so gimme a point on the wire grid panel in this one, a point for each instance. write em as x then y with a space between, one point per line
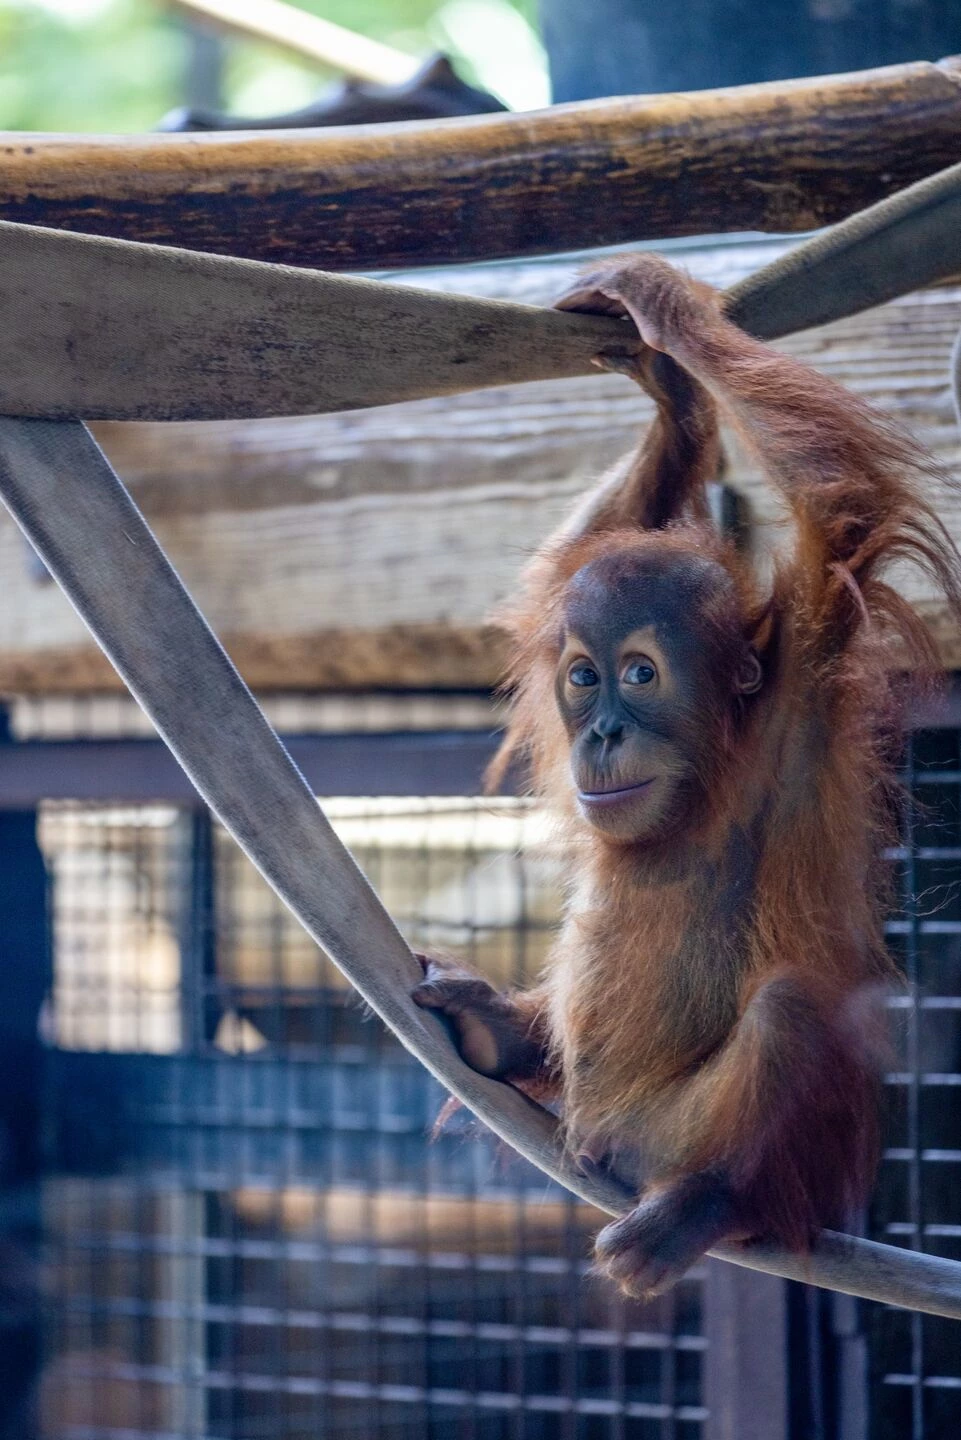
121 876
915 1360
268 1246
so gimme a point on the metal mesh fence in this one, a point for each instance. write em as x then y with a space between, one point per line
915 1361
252 1237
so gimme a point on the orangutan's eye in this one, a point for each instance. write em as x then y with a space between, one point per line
581 674
639 672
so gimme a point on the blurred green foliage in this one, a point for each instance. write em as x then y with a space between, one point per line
119 65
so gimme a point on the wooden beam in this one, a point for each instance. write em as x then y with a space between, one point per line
783 156
369 550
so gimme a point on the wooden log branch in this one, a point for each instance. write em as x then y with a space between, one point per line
784 156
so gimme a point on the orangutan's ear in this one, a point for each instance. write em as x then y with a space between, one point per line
750 676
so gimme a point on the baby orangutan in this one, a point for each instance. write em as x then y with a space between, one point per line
722 756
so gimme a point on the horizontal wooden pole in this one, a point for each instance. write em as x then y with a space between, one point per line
784 156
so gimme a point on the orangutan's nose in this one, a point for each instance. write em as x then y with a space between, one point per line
608 727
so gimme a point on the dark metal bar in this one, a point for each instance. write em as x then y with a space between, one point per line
912 968
140 772
141 1115
25 958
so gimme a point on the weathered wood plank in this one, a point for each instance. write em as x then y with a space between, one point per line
368 549
783 156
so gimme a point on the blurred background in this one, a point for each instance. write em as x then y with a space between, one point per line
119 65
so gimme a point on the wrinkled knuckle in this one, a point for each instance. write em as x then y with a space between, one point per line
481 991
453 984
451 992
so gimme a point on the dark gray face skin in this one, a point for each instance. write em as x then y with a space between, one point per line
637 691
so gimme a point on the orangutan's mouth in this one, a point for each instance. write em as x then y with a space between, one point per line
612 797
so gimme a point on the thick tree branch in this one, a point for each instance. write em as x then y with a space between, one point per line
783 156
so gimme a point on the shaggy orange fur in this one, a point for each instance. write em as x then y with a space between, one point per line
707 1010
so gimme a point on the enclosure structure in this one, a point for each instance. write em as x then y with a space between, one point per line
248 1232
